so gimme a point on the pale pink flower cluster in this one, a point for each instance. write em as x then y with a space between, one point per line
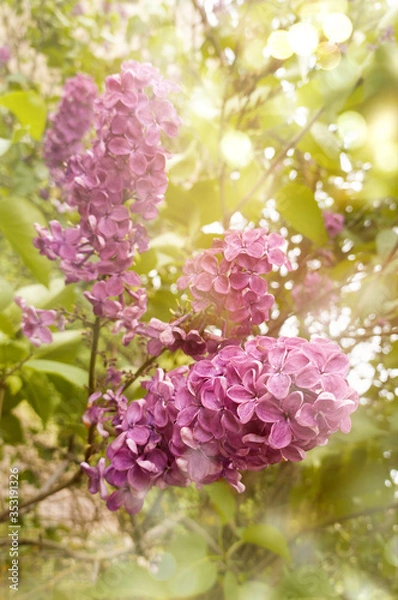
124 173
228 277
69 124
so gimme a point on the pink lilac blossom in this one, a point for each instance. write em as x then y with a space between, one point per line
69 124
139 454
178 334
36 322
5 55
334 223
228 277
124 173
242 410
313 292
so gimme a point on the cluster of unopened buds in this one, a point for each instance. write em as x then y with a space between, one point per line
245 402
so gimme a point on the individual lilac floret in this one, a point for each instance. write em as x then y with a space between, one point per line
172 336
228 277
334 223
36 322
69 124
96 476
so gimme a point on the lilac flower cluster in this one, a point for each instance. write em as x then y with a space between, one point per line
243 410
69 124
139 455
36 322
124 173
313 291
334 223
228 277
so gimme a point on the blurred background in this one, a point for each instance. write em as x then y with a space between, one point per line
289 110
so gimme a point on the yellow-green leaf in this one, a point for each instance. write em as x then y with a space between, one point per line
17 216
29 108
268 537
297 205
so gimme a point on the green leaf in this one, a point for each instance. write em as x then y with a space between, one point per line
297 205
4 146
193 579
29 108
391 360
40 394
57 295
202 201
12 352
166 567
386 241
6 325
73 374
17 216
230 586
127 580
223 500
188 547
268 537
6 293
10 429
63 348
255 590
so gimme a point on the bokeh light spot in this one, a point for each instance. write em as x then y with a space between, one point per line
303 38
328 56
236 149
337 27
352 129
278 45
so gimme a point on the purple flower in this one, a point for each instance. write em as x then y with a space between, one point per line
243 409
122 174
334 223
69 124
228 277
36 322
96 477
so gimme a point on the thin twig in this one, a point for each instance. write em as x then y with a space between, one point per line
51 545
355 515
193 526
278 158
44 494
209 33
93 355
147 363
